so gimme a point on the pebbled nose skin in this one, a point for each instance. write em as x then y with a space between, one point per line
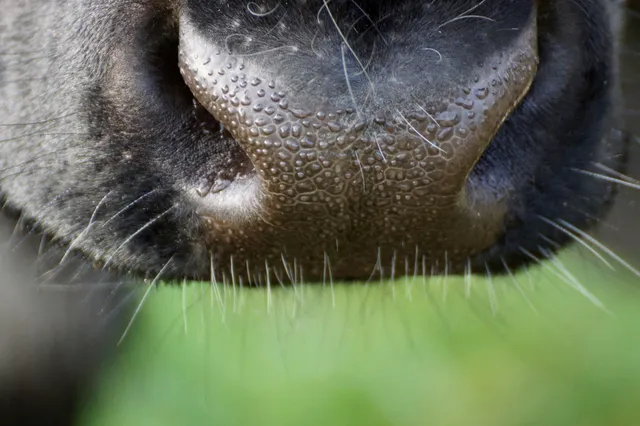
335 171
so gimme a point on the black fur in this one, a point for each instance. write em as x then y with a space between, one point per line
93 106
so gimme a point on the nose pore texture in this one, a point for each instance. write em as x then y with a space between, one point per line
355 171
301 146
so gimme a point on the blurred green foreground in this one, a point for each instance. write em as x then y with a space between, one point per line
531 350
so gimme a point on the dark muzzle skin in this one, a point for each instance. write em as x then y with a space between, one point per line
291 140
360 169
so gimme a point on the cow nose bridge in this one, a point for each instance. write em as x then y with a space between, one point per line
307 150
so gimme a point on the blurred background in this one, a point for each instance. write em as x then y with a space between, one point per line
542 348
621 230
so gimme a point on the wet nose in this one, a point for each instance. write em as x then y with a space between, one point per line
394 168
301 145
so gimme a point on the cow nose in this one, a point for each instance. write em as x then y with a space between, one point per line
323 169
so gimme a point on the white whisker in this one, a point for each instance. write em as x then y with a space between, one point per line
144 298
517 285
601 246
619 181
491 291
420 135
86 230
578 240
138 232
184 306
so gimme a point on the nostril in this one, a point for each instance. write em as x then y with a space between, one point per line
236 164
205 160
230 183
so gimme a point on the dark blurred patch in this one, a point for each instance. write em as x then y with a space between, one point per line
621 228
58 324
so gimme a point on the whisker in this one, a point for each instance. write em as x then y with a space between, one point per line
424 273
138 232
40 122
578 240
257 11
616 173
564 275
491 291
600 246
467 279
609 179
430 49
348 80
408 283
573 281
142 301
128 206
214 287
233 282
286 268
376 267
465 15
420 135
364 182
184 305
375 138
346 43
517 285
86 230
445 283
373 24
266 265
393 275
327 263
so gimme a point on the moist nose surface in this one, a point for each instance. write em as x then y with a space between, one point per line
352 184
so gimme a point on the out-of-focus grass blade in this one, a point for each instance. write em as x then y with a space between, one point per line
413 352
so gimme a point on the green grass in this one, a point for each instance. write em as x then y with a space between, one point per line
413 352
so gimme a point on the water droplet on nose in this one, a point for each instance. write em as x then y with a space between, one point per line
445 134
448 118
268 129
284 130
464 103
300 113
482 93
291 145
261 121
